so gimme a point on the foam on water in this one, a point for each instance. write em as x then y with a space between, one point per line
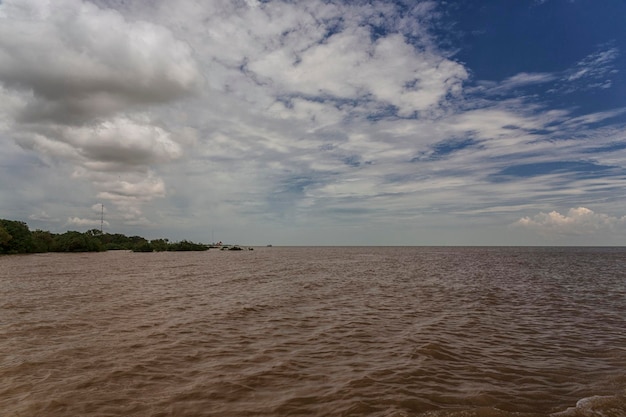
597 406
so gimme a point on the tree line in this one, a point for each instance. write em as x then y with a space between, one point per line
16 237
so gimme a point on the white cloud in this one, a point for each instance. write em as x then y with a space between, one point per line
115 144
281 113
122 141
596 65
577 221
41 216
76 221
596 70
325 52
350 66
521 80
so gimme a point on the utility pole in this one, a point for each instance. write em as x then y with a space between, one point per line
101 217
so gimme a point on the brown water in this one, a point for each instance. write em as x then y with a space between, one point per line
315 332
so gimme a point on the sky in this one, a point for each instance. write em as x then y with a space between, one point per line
317 122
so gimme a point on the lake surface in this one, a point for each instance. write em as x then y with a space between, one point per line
322 331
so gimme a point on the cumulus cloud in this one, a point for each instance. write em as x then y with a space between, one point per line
350 66
79 62
79 83
285 111
577 221
356 56
115 144
122 141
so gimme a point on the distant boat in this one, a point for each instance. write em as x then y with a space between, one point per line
269 246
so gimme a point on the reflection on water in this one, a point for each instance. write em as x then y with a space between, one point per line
315 332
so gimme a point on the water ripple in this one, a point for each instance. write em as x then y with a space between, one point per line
433 332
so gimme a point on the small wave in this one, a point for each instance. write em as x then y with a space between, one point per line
435 351
597 406
408 333
476 412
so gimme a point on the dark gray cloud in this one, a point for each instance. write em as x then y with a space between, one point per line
76 62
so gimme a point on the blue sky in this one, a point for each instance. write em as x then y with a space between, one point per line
317 122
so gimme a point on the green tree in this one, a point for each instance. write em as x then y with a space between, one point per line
73 241
159 245
21 240
114 241
186 245
15 237
143 246
42 241
5 237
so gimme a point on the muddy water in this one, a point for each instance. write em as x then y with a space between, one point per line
315 332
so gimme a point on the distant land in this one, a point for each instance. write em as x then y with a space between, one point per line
16 237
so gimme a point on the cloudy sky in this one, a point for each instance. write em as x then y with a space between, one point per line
317 122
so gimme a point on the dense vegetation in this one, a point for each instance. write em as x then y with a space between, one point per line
16 237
